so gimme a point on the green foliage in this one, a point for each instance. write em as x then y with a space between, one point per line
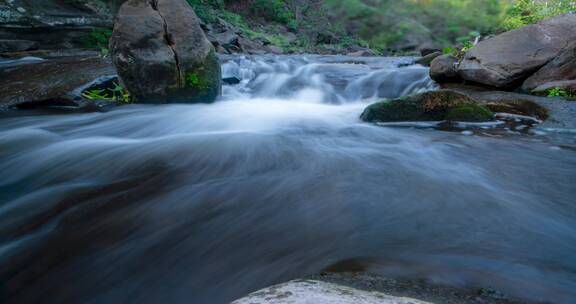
379 24
465 44
389 24
525 12
194 80
115 94
98 39
273 10
469 112
559 92
207 9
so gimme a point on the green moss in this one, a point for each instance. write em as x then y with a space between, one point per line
559 92
429 106
196 81
403 109
114 93
201 83
469 112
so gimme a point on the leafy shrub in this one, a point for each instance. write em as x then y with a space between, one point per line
525 12
117 93
273 10
205 9
559 92
98 39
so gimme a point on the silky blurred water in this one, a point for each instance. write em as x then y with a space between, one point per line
277 180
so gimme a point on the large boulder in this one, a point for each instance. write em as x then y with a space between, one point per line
162 55
558 71
509 58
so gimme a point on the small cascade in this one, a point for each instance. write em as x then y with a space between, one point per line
323 79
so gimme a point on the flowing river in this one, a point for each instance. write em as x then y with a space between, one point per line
278 180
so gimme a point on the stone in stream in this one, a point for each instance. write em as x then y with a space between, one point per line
429 106
508 59
443 69
319 292
162 55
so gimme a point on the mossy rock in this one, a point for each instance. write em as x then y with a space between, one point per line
470 112
429 106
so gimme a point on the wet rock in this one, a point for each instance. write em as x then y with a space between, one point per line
560 72
162 54
231 80
17 45
509 58
319 292
51 83
427 59
430 106
444 69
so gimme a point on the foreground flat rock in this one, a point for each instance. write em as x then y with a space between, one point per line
511 57
318 292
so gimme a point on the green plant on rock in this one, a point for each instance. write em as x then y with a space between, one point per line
98 39
115 94
194 80
559 92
